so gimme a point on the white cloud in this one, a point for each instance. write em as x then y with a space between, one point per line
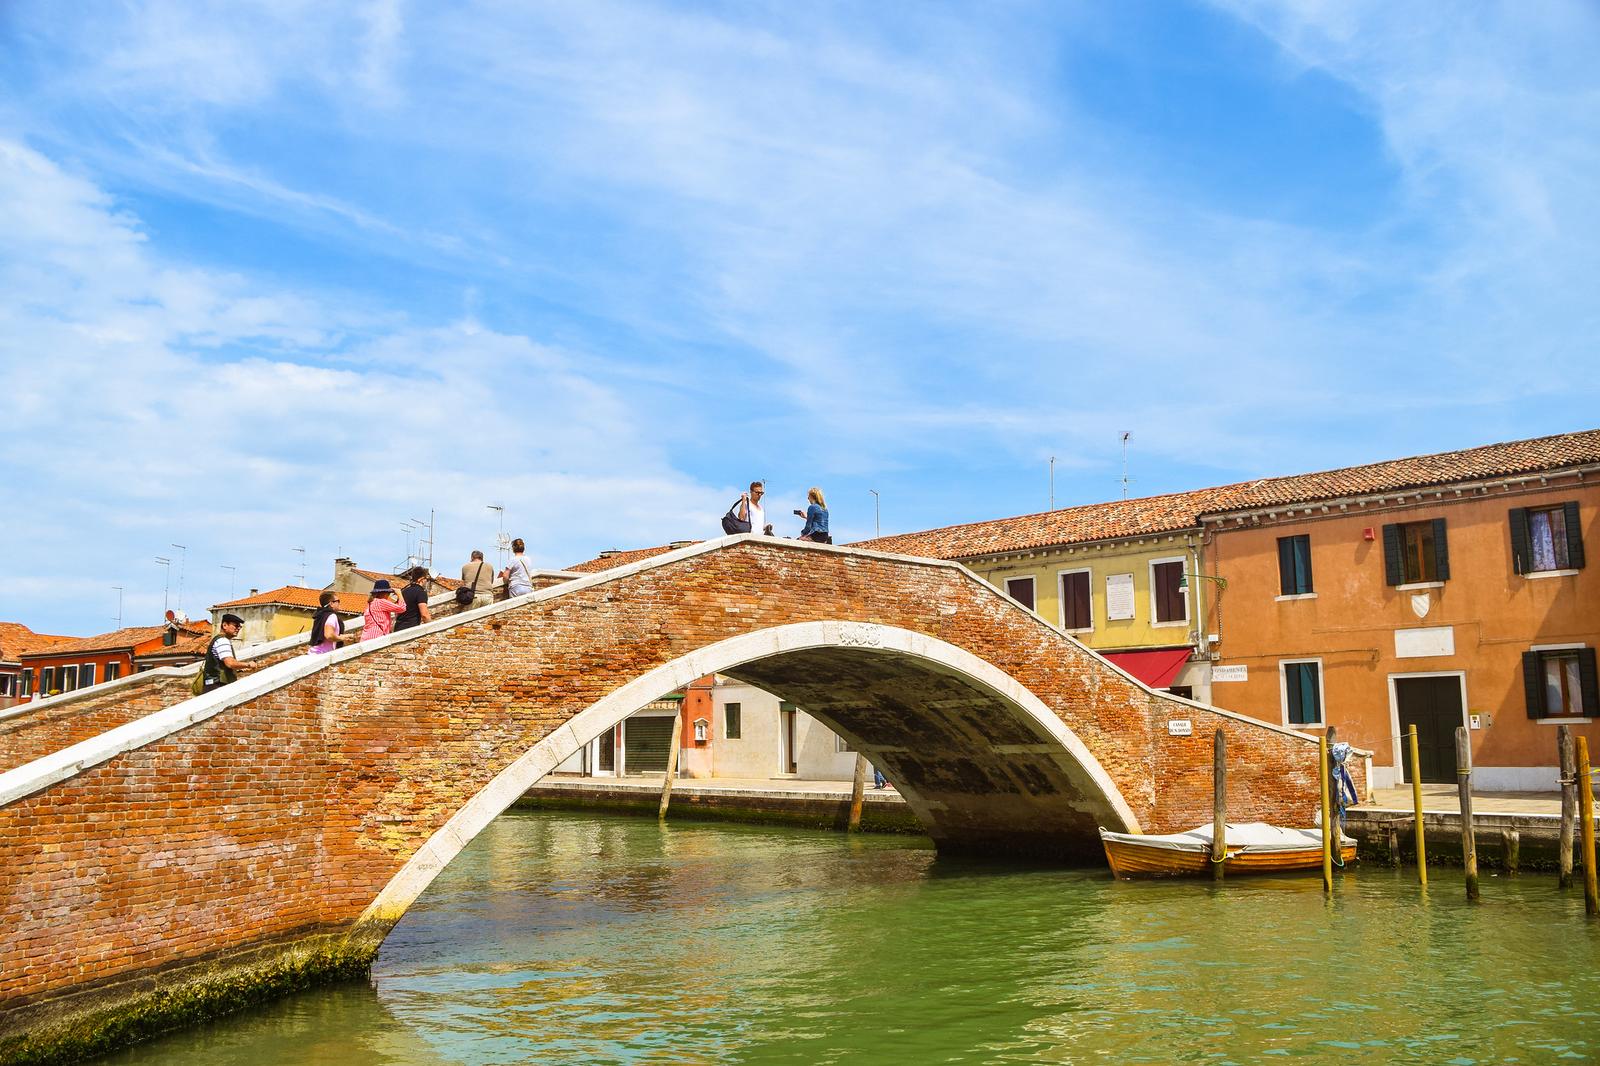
151 405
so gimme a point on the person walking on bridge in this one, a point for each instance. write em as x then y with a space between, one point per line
222 665
326 629
381 611
415 598
476 576
519 575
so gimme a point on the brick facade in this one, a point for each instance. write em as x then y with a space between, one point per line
287 815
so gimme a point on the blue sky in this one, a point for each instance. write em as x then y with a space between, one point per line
289 274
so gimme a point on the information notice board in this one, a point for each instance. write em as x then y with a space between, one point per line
1119 596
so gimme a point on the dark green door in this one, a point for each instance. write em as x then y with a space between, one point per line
646 741
1433 705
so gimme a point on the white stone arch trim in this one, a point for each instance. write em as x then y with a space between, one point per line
547 754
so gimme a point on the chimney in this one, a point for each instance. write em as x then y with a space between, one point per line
344 578
254 591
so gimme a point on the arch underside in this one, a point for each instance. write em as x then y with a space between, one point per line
976 768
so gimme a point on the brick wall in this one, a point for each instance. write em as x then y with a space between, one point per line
291 812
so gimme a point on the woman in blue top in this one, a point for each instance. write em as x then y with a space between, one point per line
816 517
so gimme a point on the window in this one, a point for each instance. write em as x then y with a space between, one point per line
1302 692
1021 590
1169 602
69 678
86 675
170 637
47 680
113 671
27 682
1077 610
1561 683
1546 538
6 681
730 721
1414 552
1294 565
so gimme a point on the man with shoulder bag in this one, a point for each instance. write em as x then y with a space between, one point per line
221 665
477 583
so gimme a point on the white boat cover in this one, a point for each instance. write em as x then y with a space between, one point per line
1246 836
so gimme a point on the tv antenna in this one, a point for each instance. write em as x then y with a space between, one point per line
183 561
301 578
502 543
1052 483
119 605
166 582
1125 478
231 575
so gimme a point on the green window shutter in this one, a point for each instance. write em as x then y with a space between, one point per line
1302 557
1588 684
1286 566
1394 563
1533 682
1519 540
1441 551
1574 536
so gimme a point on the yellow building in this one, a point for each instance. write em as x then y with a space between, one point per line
284 612
1119 576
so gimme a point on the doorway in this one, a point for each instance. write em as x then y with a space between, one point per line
605 753
1433 705
788 756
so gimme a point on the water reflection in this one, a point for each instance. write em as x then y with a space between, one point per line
582 939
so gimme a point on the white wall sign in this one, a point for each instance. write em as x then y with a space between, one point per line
1119 596
1230 673
1181 727
1424 643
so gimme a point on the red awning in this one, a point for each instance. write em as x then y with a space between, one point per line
1154 668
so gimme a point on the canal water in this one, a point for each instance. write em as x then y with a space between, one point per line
570 938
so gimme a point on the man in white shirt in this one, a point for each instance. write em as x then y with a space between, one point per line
222 664
750 508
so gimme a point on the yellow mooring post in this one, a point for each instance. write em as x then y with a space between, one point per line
1416 803
672 764
1591 896
1219 804
858 790
1327 816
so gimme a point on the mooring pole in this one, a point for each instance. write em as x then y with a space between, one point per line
1469 849
1569 802
672 764
1219 804
858 790
1416 803
1327 816
1332 734
1591 897
1511 849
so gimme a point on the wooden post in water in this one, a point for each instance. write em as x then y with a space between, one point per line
858 790
1219 804
1416 803
1469 850
1510 848
1569 801
1591 897
672 764
1333 797
1327 816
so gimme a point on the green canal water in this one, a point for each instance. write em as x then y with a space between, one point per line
569 938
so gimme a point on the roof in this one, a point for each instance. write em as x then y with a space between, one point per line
1068 525
1471 464
120 638
295 596
17 639
449 584
615 557
1182 510
189 644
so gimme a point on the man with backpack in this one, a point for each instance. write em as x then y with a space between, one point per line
222 665
477 583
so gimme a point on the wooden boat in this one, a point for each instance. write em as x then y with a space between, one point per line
1252 847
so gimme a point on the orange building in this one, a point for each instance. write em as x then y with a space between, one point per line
1441 591
73 664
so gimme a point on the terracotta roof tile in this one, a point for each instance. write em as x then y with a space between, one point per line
615 558
188 644
1182 510
17 639
295 596
119 638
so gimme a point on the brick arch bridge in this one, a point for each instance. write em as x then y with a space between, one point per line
276 830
